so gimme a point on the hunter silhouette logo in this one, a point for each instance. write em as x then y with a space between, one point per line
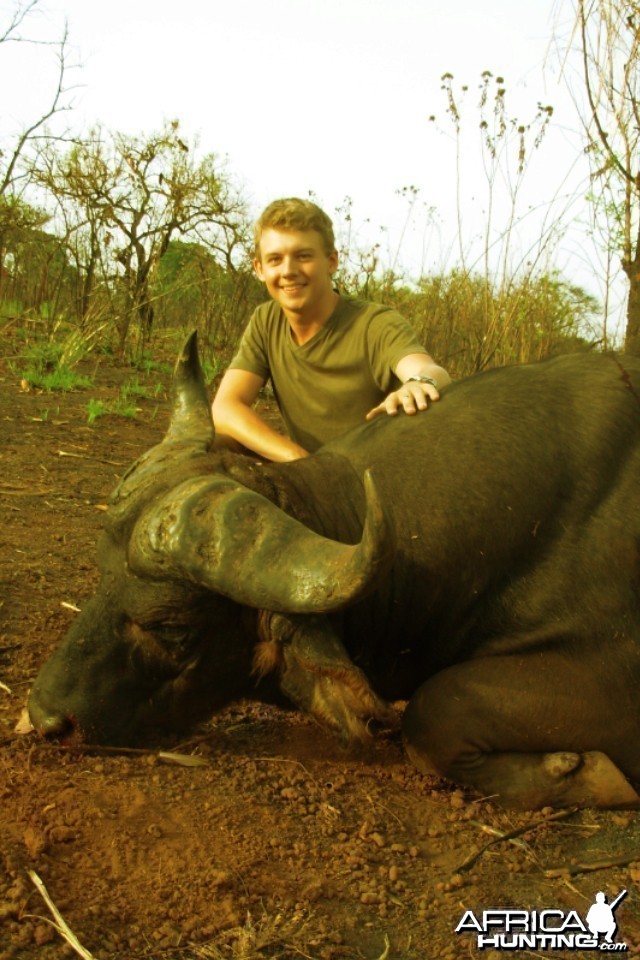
600 917
552 929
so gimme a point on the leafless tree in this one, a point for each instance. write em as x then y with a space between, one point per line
16 215
58 101
125 198
607 34
508 147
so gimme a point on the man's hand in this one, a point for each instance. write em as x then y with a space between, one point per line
410 397
414 394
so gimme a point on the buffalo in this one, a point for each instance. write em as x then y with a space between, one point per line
480 561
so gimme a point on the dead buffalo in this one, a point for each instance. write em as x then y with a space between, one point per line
487 570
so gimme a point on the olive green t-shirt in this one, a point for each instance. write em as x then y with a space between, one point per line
326 386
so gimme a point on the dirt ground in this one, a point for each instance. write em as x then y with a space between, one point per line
278 845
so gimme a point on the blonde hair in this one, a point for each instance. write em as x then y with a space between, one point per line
291 213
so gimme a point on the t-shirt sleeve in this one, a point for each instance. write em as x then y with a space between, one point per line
390 338
252 353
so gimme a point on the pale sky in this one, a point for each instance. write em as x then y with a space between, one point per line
328 96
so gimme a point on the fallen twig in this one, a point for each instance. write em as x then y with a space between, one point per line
183 759
84 456
166 756
572 868
11 490
89 749
387 946
60 924
512 834
497 833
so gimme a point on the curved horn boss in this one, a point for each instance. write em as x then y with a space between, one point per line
225 537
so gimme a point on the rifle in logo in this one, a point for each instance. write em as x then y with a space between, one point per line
600 919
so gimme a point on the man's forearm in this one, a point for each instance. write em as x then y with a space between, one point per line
243 425
434 371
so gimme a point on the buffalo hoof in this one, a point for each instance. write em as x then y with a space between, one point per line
592 781
318 675
564 779
529 781
340 700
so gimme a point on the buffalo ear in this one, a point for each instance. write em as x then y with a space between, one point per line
220 535
191 419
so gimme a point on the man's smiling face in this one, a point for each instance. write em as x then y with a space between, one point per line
297 270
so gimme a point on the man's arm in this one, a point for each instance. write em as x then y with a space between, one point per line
413 395
236 423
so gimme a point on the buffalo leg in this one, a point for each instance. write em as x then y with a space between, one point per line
318 675
525 731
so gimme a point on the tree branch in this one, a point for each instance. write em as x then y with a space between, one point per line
602 134
54 107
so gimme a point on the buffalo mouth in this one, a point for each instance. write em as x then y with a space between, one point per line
131 719
51 726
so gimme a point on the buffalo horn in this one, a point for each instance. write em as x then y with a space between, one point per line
222 536
191 417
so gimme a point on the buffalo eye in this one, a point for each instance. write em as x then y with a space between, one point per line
162 639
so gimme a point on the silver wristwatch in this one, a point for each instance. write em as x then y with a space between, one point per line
421 379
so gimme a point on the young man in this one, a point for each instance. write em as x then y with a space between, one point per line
333 362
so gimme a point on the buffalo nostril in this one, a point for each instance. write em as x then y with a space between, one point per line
54 725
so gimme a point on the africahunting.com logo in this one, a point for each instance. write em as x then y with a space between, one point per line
546 929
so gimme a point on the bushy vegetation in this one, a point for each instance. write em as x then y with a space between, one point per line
467 321
41 367
116 243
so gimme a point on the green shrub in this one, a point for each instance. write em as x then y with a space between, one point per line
146 364
122 406
96 408
140 391
211 369
59 379
44 371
